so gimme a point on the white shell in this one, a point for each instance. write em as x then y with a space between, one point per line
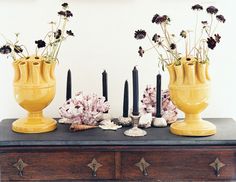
159 122
109 125
145 120
65 121
125 121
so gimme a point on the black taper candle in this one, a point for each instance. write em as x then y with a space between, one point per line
104 85
135 92
158 96
126 100
68 86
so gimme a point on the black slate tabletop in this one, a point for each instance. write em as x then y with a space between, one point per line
226 135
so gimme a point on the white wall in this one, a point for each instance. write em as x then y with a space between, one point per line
104 40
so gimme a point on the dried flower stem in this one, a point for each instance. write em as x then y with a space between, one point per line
211 24
195 32
55 54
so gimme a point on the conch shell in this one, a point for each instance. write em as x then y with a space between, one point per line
80 127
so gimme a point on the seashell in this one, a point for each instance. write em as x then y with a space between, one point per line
159 122
109 125
81 127
124 121
145 120
65 121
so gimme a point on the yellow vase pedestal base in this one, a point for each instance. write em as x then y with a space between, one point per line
195 128
34 125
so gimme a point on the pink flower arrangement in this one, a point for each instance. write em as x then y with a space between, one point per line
84 109
169 111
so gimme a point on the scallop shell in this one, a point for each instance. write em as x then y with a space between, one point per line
109 125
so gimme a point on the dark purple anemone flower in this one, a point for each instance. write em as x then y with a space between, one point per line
18 49
40 43
68 14
65 5
155 38
140 51
162 19
70 33
220 18
217 38
183 34
6 49
211 43
140 34
197 7
154 18
61 13
172 46
57 34
212 10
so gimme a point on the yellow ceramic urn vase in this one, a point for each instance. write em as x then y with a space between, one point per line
34 89
189 90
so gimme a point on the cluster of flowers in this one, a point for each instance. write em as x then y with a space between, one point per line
84 109
51 43
165 44
169 111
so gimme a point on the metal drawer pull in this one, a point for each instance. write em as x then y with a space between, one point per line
217 165
20 165
143 165
94 165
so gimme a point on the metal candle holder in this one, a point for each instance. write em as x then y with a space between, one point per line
135 131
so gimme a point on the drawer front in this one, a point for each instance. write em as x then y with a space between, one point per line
57 165
179 165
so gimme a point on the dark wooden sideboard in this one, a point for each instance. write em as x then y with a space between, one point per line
107 155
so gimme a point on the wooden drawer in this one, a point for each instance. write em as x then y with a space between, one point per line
64 165
190 164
